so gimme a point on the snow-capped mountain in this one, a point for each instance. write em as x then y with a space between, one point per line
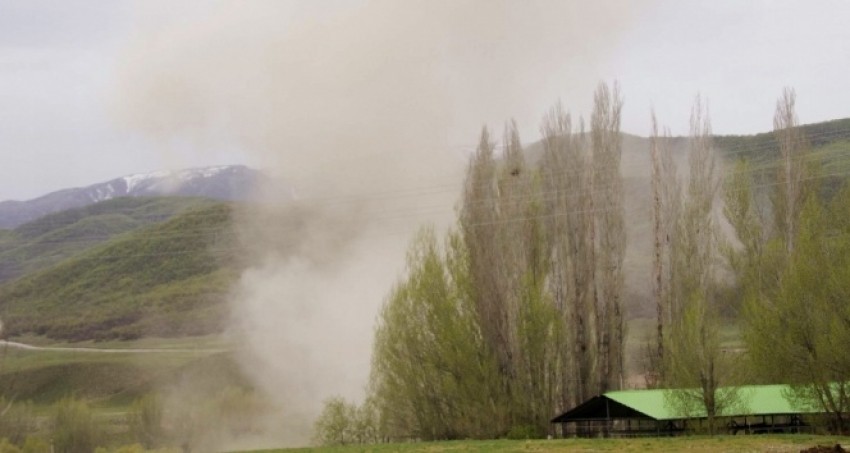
230 182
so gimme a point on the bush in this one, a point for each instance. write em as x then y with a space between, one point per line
335 425
203 422
7 447
74 428
35 445
17 421
522 432
343 423
145 421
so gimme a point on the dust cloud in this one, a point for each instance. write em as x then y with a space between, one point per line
368 111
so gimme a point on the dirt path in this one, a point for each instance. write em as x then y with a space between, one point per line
29 347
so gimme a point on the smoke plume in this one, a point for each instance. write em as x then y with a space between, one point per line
365 109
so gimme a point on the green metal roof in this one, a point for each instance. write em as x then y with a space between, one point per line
754 400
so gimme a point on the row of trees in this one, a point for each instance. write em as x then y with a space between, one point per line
786 258
793 268
72 428
517 313
687 286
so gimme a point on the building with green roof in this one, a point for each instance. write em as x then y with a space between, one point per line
760 408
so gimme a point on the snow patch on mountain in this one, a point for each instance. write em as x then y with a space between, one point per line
133 181
166 181
222 182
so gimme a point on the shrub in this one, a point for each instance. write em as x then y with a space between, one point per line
145 421
74 428
17 421
204 421
35 445
521 432
7 447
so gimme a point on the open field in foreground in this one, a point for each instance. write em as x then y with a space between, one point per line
111 375
695 444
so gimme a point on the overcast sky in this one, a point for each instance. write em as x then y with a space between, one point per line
63 66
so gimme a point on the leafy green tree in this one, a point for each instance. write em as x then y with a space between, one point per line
479 218
740 210
432 374
342 423
74 427
810 310
17 420
519 314
365 427
699 373
335 425
792 269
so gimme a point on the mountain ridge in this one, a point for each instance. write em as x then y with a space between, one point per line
223 182
131 268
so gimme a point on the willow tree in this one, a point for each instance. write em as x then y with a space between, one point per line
433 377
798 281
479 217
810 310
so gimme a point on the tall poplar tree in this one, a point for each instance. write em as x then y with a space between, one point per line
697 372
609 235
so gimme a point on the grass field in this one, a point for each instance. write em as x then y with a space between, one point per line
111 380
695 444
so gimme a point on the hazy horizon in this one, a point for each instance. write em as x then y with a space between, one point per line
63 69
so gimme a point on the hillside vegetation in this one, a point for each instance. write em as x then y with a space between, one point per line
830 148
55 237
763 146
164 279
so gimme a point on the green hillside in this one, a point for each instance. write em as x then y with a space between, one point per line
112 379
830 144
167 279
763 146
56 237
